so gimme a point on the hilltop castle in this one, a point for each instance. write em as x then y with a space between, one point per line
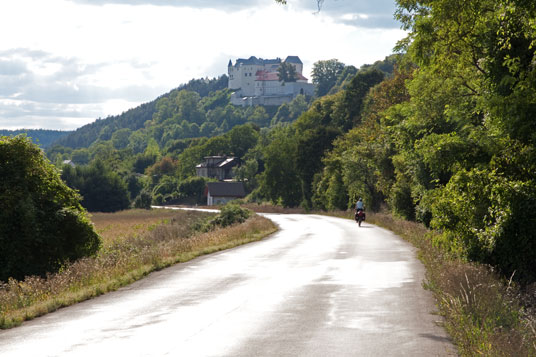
255 81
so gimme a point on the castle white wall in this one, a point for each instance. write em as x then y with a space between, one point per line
250 91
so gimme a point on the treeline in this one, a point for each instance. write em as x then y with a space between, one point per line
42 137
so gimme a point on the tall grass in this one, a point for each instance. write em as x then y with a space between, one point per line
485 314
135 243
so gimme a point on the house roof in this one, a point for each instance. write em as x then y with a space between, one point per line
226 189
219 161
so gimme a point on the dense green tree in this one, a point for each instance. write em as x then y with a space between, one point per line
241 139
192 190
354 96
165 166
80 156
259 116
280 182
325 74
101 188
286 72
189 107
311 148
42 224
120 138
282 115
44 138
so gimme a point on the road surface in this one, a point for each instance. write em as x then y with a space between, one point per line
321 286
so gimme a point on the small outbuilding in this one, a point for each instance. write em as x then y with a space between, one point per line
219 193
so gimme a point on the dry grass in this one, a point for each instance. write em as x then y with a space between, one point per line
486 315
135 243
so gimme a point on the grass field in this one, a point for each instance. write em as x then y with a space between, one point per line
134 243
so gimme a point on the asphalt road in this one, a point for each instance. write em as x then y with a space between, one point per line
320 287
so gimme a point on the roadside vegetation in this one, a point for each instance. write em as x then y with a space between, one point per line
134 243
485 313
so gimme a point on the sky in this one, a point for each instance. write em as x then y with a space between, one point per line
65 63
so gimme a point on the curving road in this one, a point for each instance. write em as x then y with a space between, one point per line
320 287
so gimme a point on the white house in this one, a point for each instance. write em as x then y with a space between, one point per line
255 81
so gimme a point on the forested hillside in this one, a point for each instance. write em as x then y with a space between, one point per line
42 137
135 118
149 153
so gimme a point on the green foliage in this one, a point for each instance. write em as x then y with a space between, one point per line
311 147
492 217
354 96
136 119
229 214
42 137
401 201
120 138
192 190
280 181
143 161
325 74
80 156
286 72
143 200
101 188
465 141
42 224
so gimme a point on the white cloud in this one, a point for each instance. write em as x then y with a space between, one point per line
101 59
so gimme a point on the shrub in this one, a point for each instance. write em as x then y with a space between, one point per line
401 200
193 188
143 200
102 189
493 217
42 224
230 214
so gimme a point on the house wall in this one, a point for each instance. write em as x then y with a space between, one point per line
218 200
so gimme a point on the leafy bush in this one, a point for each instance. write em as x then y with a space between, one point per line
193 188
401 201
494 218
231 214
102 189
42 224
143 200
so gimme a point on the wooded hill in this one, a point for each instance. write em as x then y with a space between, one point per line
42 137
